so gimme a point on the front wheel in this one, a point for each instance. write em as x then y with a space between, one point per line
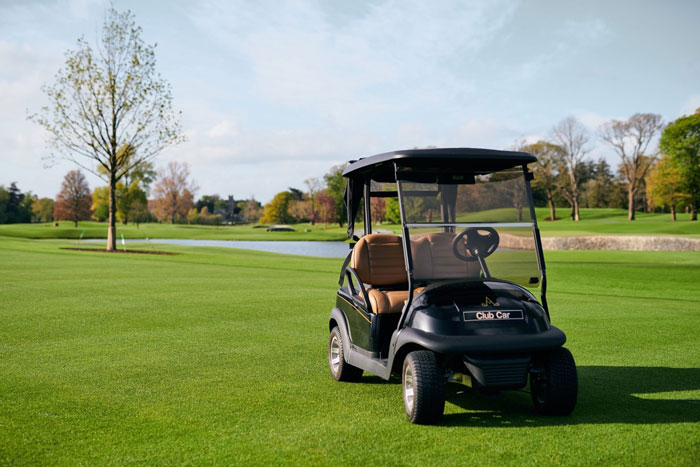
340 369
423 388
554 386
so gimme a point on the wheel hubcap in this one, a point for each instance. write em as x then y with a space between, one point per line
335 354
409 391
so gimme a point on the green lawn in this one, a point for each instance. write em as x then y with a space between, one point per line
218 356
594 222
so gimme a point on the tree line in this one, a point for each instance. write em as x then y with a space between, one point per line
663 178
171 201
649 178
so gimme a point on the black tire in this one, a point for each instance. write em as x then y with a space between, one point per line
554 388
340 369
423 387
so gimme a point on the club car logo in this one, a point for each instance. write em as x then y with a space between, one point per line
492 315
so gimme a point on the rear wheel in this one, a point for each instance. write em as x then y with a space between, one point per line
423 388
554 387
340 369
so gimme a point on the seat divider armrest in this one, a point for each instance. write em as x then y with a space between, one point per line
352 276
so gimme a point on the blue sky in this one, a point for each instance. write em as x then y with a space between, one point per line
274 92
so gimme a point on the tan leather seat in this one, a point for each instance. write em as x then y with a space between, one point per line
387 301
433 258
378 260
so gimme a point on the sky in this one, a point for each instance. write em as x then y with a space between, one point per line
275 92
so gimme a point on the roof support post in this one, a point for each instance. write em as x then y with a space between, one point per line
368 206
406 253
538 240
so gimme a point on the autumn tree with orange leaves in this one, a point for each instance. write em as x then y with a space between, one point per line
74 200
173 193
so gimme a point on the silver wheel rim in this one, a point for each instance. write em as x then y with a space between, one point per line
335 354
409 391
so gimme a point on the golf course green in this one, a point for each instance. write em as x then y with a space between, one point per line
218 356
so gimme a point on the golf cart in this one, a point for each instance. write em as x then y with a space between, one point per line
452 297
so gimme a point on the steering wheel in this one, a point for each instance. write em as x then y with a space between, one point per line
478 245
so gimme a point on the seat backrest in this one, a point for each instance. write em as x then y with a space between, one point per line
378 260
433 258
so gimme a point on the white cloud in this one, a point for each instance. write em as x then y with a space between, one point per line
690 105
401 50
490 133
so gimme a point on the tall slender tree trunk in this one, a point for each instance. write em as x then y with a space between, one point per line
112 229
694 211
575 214
630 203
552 213
673 212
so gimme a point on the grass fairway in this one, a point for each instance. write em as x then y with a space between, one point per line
218 356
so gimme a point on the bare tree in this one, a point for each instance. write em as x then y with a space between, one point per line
546 169
572 137
173 193
630 139
74 200
109 108
314 185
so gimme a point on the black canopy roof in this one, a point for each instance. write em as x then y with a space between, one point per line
381 166
452 160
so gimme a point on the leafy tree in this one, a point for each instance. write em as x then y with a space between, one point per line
73 201
335 188
665 185
546 170
208 201
630 139
173 193
299 210
393 212
109 108
326 207
681 141
4 198
276 211
572 137
100 204
251 210
600 190
132 203
377 207
297 194
15 206
42 209
203 217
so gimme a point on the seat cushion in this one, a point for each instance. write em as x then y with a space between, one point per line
389 301
378 260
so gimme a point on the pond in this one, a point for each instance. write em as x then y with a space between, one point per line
303 248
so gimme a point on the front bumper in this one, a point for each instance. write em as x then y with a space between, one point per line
498 344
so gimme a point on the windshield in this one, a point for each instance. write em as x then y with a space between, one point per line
471 227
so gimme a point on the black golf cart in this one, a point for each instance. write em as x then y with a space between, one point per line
451 298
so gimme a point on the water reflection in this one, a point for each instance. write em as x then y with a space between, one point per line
303 248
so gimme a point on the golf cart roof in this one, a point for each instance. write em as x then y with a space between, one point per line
381 167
